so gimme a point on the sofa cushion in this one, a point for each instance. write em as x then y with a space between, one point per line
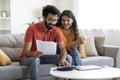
82 51
90 48
99 43
4 59
12 45
98 60
17 71
13 53
10 72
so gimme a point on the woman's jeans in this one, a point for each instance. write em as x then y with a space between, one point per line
34 63
76 57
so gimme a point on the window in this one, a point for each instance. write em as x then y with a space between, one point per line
99 14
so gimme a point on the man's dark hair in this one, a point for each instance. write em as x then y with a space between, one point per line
50 9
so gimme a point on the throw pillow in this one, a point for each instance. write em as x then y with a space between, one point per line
82 51
99 43
90 48
4 59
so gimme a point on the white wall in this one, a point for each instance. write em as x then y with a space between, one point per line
64 4
25 11
101 18
99 14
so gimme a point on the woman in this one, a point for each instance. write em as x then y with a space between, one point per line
68 26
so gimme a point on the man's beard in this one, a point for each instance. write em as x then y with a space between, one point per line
48 26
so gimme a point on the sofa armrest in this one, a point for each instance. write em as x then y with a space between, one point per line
114 52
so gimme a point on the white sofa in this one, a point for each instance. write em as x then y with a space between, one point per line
12 46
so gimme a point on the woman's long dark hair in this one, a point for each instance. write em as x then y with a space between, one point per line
74 26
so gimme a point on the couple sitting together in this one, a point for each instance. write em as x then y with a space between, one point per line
60 28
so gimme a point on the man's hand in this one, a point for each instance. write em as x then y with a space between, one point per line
37 54
29 53
63 62
63 52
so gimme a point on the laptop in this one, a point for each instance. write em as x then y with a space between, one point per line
87 67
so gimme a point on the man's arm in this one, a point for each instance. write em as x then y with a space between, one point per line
63 54
29 53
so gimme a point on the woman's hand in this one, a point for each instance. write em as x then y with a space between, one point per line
74 44
81 40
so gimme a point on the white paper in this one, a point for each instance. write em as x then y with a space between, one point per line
47 47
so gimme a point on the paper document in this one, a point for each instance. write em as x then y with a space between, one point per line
47 47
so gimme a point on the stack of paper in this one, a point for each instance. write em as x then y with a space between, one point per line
47 47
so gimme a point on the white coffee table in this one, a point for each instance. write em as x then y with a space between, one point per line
103 73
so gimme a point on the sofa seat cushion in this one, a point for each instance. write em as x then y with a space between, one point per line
98 60
10 72
15 71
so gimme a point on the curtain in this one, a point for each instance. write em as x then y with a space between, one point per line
112 36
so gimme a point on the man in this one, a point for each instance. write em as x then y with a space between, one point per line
45 31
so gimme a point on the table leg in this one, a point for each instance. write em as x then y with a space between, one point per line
61 79
114 78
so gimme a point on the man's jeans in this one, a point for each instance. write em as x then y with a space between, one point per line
76 57
34 63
